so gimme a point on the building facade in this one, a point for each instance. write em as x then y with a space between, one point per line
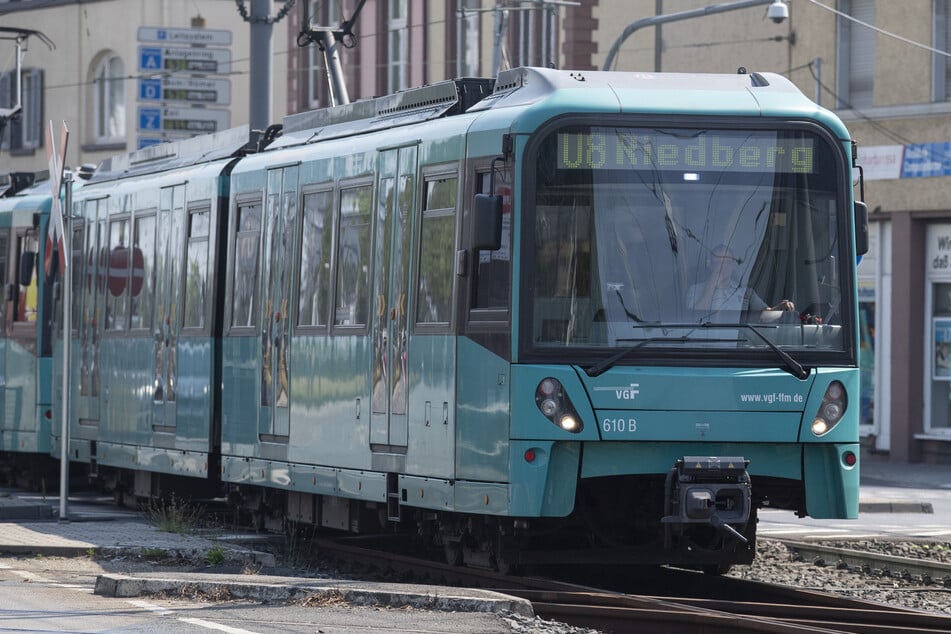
881 65
123 74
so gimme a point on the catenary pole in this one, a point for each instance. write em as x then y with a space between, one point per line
260 75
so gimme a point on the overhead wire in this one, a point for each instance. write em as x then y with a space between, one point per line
876 124
887 132
901 38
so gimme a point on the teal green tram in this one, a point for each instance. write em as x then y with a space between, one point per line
25 327
561 317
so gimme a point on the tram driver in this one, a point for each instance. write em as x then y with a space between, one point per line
723 290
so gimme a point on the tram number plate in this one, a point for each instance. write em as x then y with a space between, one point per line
619 425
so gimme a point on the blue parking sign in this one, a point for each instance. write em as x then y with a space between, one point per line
150 118
150 89
150 58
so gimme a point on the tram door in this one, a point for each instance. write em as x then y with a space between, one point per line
91 317
396 190
167 315
280 218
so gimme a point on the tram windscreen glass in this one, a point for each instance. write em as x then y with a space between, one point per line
644 233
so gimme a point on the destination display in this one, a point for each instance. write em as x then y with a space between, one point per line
689 151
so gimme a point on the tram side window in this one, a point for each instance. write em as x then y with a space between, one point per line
3 272
315 253
143 268
493 268
353 257
196 267
246 241
437 245
77 269
25 302
117 301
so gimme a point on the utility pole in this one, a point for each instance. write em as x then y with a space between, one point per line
261 52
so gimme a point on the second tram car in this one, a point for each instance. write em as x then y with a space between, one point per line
25 321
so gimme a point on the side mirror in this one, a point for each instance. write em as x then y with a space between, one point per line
487 222
25 274
861 228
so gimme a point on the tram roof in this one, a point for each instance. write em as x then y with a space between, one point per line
536 93
166 156
547 91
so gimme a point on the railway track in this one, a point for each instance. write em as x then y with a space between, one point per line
680 601
923 570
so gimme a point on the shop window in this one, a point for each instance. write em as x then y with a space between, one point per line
941 358
867 352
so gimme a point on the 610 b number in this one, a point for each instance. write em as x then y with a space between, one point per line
619 425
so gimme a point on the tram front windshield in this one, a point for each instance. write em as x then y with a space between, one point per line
688 240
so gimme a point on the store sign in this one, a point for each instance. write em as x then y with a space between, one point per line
926 159
918 160
938 253
881 162
164 35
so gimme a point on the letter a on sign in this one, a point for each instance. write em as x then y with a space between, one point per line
55 233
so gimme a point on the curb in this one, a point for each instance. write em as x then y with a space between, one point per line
282 589
884 506
230 554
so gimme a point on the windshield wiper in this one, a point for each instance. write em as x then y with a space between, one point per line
604 365
791 365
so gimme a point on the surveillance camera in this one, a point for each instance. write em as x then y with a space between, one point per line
777 12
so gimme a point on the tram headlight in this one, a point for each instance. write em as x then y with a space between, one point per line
549 407
831 410
555 405
569 423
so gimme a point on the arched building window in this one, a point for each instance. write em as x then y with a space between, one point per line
108 100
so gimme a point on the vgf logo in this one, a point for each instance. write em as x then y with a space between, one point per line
622 392
627 393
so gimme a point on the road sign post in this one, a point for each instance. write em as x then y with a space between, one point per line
182 72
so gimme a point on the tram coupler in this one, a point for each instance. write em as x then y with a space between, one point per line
711 490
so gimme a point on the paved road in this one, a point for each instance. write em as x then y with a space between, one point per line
905 524
56 595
